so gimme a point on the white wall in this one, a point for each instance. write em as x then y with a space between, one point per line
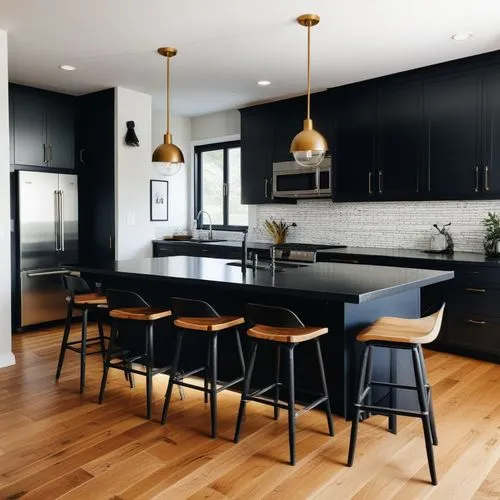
180 196
215 125
6 356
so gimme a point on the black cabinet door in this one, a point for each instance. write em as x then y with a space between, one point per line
353 149
29 127
399 145
453 119
60 120
490 181
288 122
256 155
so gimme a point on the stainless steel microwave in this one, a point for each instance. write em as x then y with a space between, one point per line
293 181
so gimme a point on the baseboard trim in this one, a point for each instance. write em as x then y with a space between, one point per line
7 359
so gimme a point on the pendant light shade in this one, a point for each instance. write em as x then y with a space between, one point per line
167 157
308 146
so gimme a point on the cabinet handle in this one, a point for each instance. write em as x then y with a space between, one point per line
476 189
45 153
475 290
266 183
370 190
110 243
344 261
380 181
486 178
82 161
475 322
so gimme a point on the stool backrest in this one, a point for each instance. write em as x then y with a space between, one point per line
258 314
437 319
124 298
192 308
75 285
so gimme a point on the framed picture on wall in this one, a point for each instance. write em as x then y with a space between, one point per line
159 199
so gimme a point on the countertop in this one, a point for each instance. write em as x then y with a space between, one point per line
331 281
227 243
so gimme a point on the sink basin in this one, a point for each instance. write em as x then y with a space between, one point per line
280 266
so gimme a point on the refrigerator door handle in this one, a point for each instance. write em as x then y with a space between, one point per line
57 225
61 219
47 273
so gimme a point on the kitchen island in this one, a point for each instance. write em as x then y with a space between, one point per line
343 297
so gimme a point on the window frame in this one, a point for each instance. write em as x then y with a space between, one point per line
198 184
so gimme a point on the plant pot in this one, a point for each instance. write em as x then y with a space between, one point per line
492 247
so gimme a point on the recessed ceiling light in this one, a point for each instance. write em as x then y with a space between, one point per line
263 83
460 37
67 67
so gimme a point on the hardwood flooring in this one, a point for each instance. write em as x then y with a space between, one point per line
56 444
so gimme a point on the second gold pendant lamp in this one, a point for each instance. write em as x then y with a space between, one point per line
167 156
308 146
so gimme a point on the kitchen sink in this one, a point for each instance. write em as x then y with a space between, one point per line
265 266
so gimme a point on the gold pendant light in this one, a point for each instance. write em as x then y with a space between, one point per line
309 146
168 156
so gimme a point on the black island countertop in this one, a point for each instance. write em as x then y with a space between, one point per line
330 281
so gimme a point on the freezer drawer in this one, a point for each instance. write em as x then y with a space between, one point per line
43 296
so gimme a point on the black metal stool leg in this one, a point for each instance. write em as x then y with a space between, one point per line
246 390
149 371
240 351
173 374
429 398
112 339
291 403
422 399
277 380
356 411
67 330
213 387
130 375
325 388
83 349
101 339
207 371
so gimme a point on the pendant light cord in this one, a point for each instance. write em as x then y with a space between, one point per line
309 71
168 94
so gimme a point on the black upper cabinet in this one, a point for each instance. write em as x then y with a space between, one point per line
29 135
43 126
257 141
289 121
453 128
353 148
490 178
399 140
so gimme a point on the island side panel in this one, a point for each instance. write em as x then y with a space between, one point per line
389 364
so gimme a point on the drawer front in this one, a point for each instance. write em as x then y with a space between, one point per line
478 299
163 251
475 276
478 333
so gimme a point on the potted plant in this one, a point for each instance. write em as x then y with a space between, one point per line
278 230
492 238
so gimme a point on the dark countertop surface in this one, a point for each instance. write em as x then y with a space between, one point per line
396 253
332 281
226 243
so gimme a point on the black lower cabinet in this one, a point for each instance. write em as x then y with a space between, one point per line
171 249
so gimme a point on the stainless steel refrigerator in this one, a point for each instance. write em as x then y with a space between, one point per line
48 240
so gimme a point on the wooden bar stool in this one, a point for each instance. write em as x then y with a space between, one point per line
132 317
398 333
82 298
196 316
285 331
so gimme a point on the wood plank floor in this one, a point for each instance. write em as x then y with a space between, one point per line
56 444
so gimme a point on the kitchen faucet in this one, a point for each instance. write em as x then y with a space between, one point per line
210 235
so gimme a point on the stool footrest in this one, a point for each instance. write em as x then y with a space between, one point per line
395 386
384 410
193 372
93 340
120 366
229 384
220 386
310 406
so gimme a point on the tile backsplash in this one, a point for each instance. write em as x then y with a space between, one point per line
382 224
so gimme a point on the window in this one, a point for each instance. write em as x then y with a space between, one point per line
218 186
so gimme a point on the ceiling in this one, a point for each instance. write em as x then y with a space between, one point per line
225 46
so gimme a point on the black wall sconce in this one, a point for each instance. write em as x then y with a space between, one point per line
130 137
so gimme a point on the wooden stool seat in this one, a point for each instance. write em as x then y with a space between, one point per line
286 335
214 324
402 330
90 299
140 313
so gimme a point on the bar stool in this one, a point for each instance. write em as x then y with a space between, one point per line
81 298
407 334
285 331
132 316
196 316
